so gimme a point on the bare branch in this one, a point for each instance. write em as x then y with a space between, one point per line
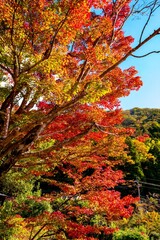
131 12
24 101
145 7
32 238
148 19
10 98
102 128
78 78
145 55
6 69
156 32
7 120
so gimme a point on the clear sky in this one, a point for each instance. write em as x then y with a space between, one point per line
148 68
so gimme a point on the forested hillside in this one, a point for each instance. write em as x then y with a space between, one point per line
144 148
144 120
142 173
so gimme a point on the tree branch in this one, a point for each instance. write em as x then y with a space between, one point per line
48 51
58 144
145 55
148 19
32 238
6 69
156 32
6 123
24 101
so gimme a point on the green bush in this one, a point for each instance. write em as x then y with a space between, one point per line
129 235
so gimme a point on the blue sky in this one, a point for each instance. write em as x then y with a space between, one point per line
148 68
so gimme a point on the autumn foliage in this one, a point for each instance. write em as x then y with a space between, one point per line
60 113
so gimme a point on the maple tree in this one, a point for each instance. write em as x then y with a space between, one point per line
59 63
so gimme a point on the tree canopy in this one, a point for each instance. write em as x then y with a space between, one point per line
60 113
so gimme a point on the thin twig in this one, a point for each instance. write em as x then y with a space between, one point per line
148 19
156 32
141 56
